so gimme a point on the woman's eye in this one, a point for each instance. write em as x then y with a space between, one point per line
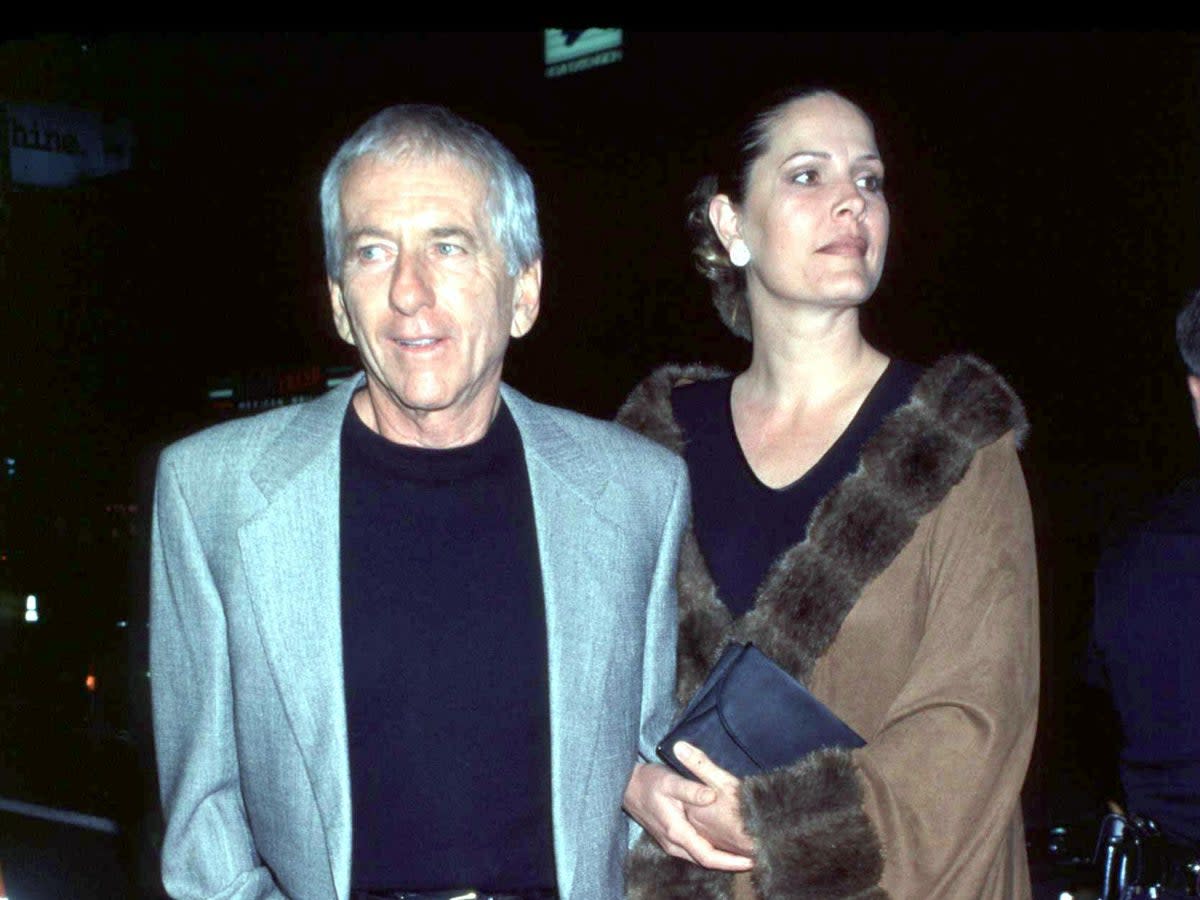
872 183
807 176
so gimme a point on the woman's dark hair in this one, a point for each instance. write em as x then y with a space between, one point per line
732 178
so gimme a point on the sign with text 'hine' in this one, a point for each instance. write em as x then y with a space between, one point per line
57 146
568 52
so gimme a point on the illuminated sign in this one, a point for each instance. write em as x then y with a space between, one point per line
266 389
57 146
568 52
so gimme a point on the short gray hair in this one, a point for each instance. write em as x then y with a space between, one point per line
426 131
1187 334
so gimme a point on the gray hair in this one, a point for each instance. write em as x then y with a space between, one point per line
428 131
1187 334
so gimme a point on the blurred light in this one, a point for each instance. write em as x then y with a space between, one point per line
31 615
1066 895
31 602
31 610
122 623
90 682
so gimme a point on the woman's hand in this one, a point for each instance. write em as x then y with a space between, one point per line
663 803
719 822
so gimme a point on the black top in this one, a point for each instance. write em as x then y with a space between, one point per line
444 649
741 524
1145 637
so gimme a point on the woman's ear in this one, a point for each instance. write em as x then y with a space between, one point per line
724 218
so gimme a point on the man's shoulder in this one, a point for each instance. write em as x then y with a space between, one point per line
1179 511
240 441
601 438
1162 547
1174 513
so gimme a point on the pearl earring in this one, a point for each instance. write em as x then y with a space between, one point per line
739 253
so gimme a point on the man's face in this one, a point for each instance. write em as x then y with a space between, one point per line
425 295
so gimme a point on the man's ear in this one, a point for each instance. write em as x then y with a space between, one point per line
527 298
725 219
341 318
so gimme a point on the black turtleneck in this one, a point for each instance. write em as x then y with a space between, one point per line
444 646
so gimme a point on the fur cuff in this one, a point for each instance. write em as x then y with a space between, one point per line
812 837
650 874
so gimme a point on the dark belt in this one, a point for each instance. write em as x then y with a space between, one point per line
455 894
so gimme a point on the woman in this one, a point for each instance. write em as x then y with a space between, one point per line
865 524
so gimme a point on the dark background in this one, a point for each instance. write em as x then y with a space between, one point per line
1045 215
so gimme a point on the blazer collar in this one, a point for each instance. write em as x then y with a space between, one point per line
316 429
547 442
314 432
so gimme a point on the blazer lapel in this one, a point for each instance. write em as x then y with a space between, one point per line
567 487
291 553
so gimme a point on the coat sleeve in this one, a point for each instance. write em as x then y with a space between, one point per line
658 654
926 808
208 850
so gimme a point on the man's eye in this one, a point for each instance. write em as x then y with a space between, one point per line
370 253
443 248
872 183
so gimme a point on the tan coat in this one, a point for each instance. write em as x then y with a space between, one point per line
911 610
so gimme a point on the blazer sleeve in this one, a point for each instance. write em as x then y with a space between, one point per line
926 808
662 629
208 850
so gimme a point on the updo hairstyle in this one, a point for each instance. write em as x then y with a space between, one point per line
732 179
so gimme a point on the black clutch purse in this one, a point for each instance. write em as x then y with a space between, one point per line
751 716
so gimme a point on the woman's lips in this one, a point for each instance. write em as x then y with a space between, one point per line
847 246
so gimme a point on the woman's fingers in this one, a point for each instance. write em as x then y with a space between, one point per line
660 800
704 768
719 823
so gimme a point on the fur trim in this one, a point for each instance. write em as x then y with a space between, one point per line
808 818
812 836
647 409
650 874
918 454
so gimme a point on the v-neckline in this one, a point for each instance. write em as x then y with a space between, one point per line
861 419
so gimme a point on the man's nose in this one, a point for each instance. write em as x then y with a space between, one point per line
410 289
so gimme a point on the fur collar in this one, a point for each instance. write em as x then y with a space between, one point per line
918 454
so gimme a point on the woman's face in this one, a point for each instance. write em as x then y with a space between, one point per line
814 216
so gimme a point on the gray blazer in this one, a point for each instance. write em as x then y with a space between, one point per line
246 664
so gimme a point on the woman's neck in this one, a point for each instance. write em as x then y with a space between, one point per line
807 359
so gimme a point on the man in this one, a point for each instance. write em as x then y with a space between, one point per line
409 638
1146 633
